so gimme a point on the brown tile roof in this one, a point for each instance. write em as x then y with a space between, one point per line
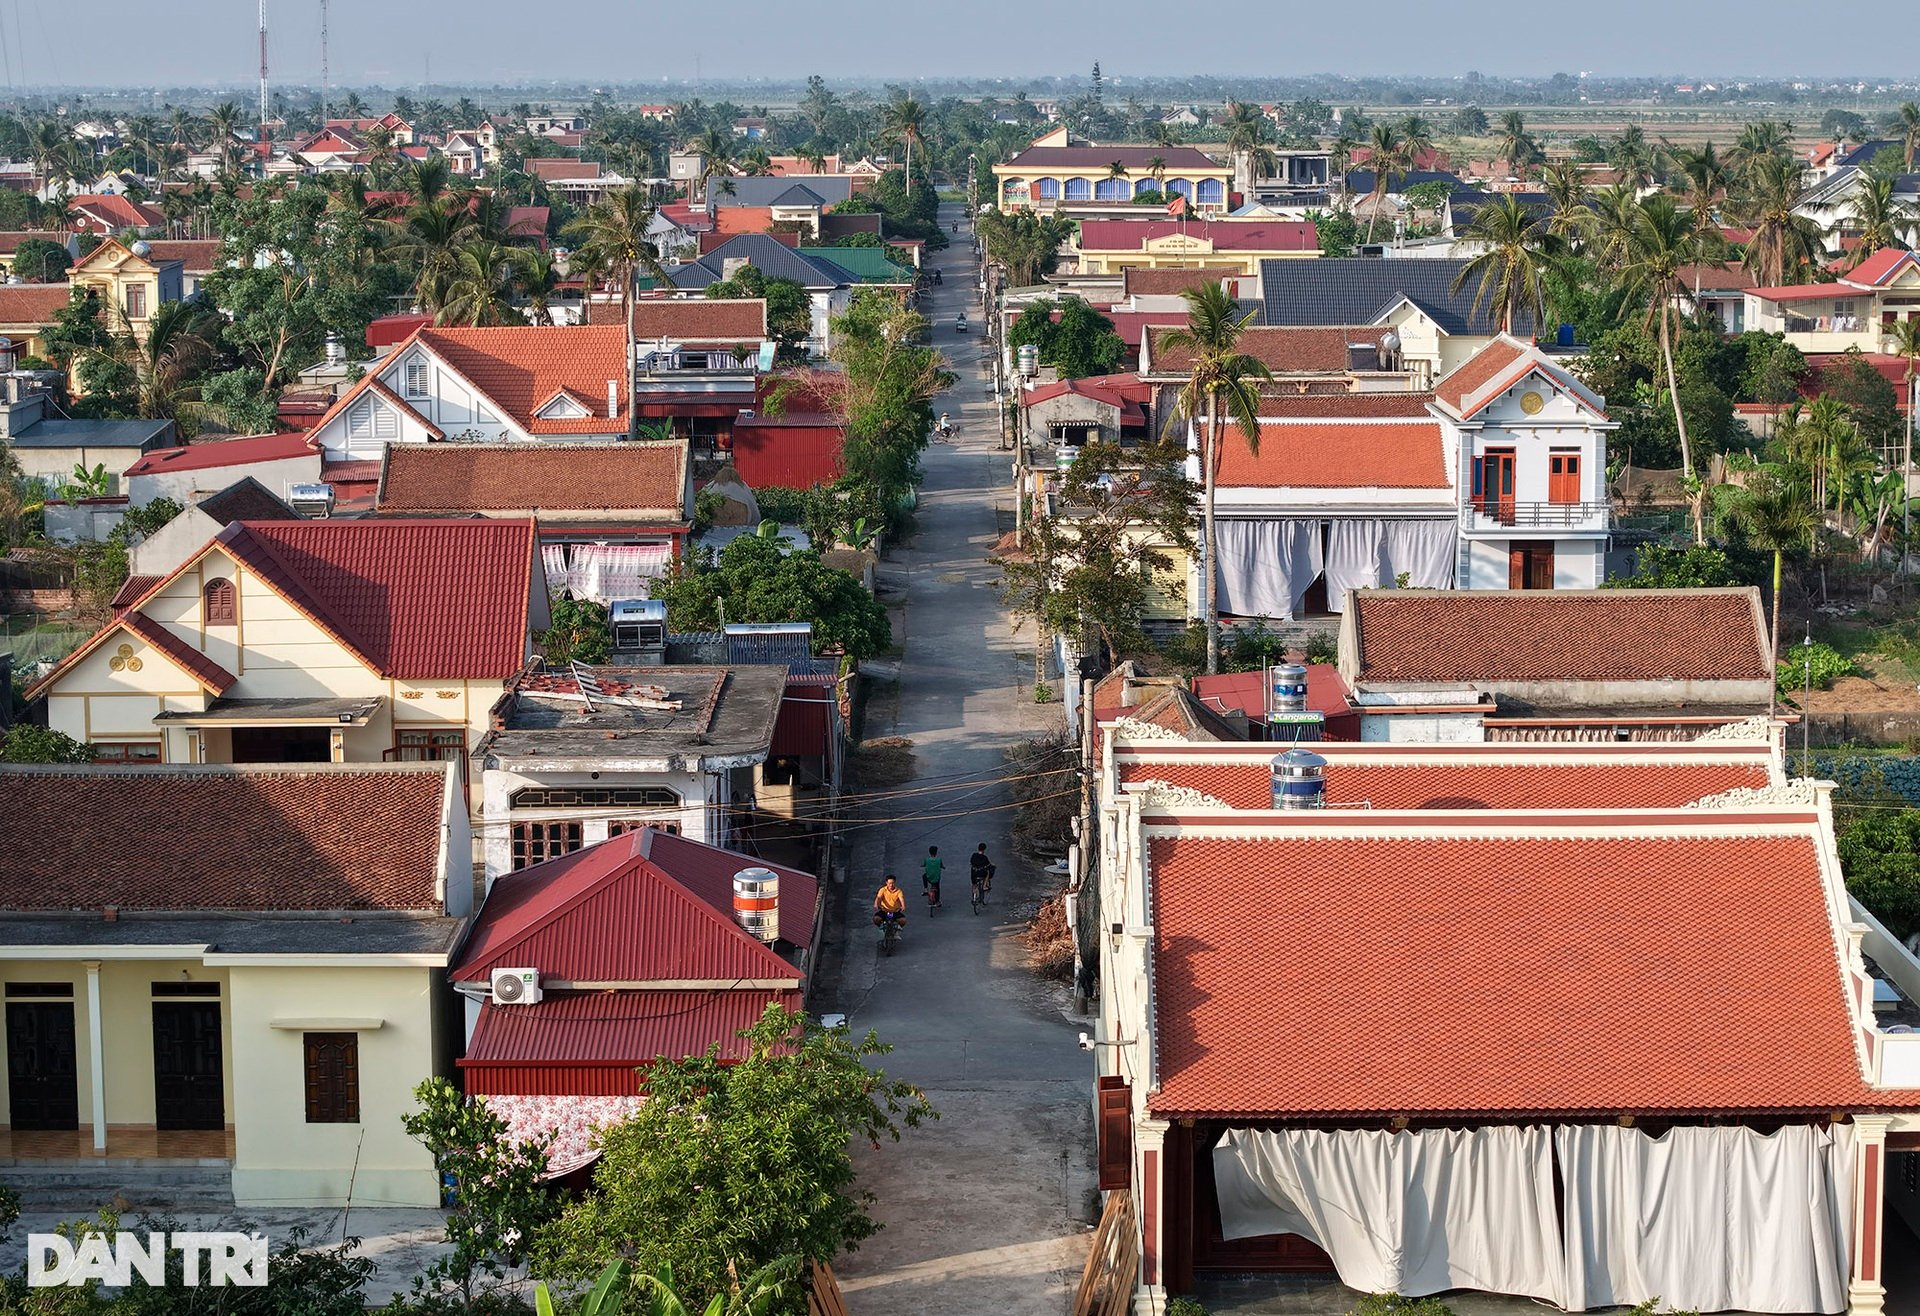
719 320
1350 454
1281 402
1716 278
1167 283
196 256
1482 369
549 168
1561 635
1283 349
199 838
1592 970
32 303
520 367
645 481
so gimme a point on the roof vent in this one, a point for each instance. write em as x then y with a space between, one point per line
1299 781
756 902
613 398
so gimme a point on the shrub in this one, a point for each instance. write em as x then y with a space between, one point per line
1392 1304
1825 663
27 743
1186 1307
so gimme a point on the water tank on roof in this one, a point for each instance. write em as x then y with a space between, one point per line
1299 781
756 902
1287 688
141 249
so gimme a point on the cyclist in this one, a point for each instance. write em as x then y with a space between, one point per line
889 904
980 873
930 876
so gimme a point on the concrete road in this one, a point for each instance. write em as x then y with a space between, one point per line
984 1211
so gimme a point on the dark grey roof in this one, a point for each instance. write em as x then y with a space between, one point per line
1863 154
141 434
1358 289
774 259
691 275
246 499
1361 180
818 189
249 934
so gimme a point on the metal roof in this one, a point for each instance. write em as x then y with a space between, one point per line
1359 289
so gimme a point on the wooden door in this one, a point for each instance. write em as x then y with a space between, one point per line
1563 477
1530 564
1493 484
188 1078
43 1078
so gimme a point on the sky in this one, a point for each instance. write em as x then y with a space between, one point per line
396 42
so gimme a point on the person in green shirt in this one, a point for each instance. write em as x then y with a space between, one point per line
930 876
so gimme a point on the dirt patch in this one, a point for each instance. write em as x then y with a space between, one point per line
1049 944
881 762
1870 693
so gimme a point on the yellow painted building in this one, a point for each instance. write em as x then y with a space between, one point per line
1233 247
132 284
1055 171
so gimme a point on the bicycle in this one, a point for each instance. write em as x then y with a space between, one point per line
889 935
979 893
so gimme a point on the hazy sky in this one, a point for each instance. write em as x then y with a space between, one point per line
150 42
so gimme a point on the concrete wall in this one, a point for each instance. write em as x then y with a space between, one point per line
86 521
497 787
182 486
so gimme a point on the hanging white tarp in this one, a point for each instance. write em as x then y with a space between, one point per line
1266 566
1410 1212
1710 1219
1423 551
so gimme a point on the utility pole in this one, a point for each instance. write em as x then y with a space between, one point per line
324 86
263 76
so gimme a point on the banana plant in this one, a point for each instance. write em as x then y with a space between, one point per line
754 1296
606 1298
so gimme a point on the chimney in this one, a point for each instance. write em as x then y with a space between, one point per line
756 902
613 398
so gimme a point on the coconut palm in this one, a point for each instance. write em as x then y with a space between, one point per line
1778 517
1157 170
755 162
1903 340
537 275
613 232
50 147
1386 154
1416 139
716 164
480 286
1882 217
1221 379
1248 139
1517 146
1633 156
904 120
1660 245
1758 143
429 236
1515 251
426 180
1161 133
1612 213
1906 126
1784 242
1567 203
223 124
180 343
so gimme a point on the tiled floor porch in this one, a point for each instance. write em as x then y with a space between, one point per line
125 1142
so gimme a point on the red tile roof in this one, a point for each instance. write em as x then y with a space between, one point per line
1350 454
223 452
643 481
527 221
1283 349
1460 971
196 838
1502 365
607 914
520 367
32 303
114 212
1224 234
720 320
1477 781
1561 635
416 600
1246 691
1804 292
211 675
1881 268
1124 392
133 591
1485 366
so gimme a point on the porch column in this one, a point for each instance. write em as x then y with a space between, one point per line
1866 1294
96 1056
336 745
1149 1149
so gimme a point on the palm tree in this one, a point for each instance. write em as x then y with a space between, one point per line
1568 211
1631 155
1881 215
1904 340
425 180
1387 153
1416 139
1517 146
1161 133
1757 143
180 344
1778 517
1157 170
1516 249
755 162
904 120
613 232
1612 213
50 147
1784 242
223 122
1906 125
1704 180
1222 377
716 162
431 234
1247 139
1660 245
538 277
480 286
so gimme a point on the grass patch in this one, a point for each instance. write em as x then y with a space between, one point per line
882 761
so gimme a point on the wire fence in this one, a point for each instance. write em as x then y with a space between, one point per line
33 638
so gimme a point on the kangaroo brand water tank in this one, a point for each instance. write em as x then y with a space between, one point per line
1299 780
756 902
1287 688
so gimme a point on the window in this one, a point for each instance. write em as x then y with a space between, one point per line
126 751
1079 189
137 302
537 842
622 826
431 747
1563 477
29 990
333 1077
416 376
186 989
595 797
220 603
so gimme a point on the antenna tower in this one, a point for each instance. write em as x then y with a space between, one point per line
263 71
324 84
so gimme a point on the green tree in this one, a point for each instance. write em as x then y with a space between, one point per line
1339 235
1028 245
789 308
27 743
756 579
884 392
613 233
1387 155
1517 146
1778 518
1470 121
1878 214
1661 244
1905 122
1070 335
904 120
498 1202
1666 566
735 1165
1515 250
579 632
1880 855
1221 377
237 402
36 260
658 1294
1784 242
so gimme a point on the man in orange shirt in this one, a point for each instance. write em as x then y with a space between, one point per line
889 903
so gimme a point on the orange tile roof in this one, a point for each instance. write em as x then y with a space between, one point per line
641 481
1461 971
32 303
115 212
726 320
223 452
1560 635
1282 402
1283 349
1352 454
519 367
1485 366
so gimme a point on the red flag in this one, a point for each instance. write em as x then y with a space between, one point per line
1178 206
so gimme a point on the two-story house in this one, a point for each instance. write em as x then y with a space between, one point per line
310 642
1856 311
491 385
131 279
698 361
1055 171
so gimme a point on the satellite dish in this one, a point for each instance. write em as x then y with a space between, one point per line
141 248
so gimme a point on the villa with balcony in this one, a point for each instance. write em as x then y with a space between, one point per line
1857 311
1055 172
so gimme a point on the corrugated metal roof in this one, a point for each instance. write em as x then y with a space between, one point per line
618 1028
707 871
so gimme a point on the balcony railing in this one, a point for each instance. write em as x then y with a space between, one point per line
1487 514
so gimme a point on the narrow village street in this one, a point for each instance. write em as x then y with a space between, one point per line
987 1209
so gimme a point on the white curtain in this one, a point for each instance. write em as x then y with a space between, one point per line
1353 560
554 558
1708 1218
1411 1212
1266 566
1423 550
606 572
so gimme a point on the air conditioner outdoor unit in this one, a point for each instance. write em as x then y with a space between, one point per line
515 986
